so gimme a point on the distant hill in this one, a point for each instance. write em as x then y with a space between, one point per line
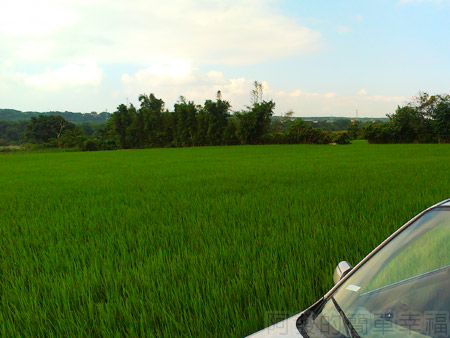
329 123
17 115
336 118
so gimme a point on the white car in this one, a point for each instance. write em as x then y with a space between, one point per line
401 289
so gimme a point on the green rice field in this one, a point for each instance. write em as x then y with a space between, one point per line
195 242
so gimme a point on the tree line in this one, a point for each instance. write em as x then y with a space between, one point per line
207 125
425 119
189 124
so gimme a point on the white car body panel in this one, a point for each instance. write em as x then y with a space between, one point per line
284 329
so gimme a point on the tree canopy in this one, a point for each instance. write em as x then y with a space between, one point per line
189 124
43 129
425 119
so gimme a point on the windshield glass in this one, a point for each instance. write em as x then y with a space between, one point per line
401 291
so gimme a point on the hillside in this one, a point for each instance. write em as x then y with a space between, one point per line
17 115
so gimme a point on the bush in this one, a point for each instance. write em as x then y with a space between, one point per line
3 142
107 145
386 132
306 135
340 137
90 145
73 138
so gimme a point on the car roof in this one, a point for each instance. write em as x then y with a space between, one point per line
445 203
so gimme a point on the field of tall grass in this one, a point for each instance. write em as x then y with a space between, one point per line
195 242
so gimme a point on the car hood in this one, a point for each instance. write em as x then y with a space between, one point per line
284 329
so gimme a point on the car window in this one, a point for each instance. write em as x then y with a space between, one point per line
425 254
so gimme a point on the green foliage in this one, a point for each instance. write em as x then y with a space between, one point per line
384 132
151 126
119 124
189 124
195 242
340 137
92 129
73 138
337 125
301 132
12 132
90 145
147 122
441 116
353 126
355 130
210 124
218 114
253 124
426 119
17 115
186 124
230 133
48 129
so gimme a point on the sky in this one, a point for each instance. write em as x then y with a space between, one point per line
316 58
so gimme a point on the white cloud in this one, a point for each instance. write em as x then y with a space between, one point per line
295 93
134 31
34 50
362 91
68 75
72 87
8 77
32 18
50 41
330 95
192 83
198 86
174 68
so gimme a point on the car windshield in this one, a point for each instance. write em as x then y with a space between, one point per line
401 291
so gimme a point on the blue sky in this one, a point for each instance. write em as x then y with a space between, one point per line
314 57
384 46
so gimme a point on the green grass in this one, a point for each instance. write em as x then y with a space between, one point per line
198 242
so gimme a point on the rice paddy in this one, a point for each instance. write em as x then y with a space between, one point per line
195 242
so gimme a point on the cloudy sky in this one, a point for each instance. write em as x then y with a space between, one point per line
321 57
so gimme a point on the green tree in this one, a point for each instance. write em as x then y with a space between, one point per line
408 121
73 138
150 120
12 132
202 125
218 114
44 128
441 117
256 94
354 130
254 123
186 123
119 123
